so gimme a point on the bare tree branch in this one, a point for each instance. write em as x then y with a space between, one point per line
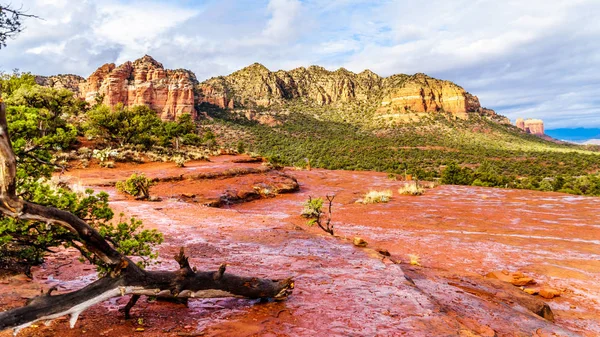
11 22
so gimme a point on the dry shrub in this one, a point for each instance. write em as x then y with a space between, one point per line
374 197
412 188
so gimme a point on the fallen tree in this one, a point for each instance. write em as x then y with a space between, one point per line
123 276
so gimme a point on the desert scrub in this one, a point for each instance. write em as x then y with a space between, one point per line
374 197
84 152
180 161
129 156
313 211
105 154
414 260
412 188
107 164
137 185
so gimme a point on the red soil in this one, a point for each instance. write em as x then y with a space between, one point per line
459 233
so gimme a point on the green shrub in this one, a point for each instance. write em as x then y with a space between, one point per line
191 139
313 211
455 175
137 185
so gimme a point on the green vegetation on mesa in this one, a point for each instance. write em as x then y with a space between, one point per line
476 151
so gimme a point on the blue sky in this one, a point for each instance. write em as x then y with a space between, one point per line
531 59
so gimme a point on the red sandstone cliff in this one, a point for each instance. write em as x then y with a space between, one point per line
143 82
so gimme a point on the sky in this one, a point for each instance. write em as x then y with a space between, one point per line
525 58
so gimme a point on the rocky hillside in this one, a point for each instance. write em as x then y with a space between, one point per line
68 81
398 94
175 92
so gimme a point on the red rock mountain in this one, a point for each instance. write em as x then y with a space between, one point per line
256 85
143 82
175 92
532 126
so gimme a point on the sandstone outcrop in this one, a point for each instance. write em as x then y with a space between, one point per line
64 81
257 86
143 82
515 278
549 293
532 126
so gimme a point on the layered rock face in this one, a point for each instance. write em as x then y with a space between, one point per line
421 93
532 126
257 86
143 82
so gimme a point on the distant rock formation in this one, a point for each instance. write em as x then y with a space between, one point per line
256 85
64 81
172 93
532 126
143 82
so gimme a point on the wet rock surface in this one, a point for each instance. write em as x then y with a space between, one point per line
459 233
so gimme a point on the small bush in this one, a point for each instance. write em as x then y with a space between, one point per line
414 259
104 154
453 174
374 197
107 164
312 208
411 189
84 152
136 185
180 161
313 211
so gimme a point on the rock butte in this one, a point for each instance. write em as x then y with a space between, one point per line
175 92
142 82
532 126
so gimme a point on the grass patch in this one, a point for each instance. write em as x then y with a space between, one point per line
375 197
414 260
412 188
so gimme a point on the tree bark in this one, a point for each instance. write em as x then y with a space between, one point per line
125 277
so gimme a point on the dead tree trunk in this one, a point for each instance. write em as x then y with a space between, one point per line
125 278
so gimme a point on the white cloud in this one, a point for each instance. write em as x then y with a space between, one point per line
136 25
342 46
284 23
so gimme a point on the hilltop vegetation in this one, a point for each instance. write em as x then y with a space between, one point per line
485 152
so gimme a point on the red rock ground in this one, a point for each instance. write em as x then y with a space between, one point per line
459 233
